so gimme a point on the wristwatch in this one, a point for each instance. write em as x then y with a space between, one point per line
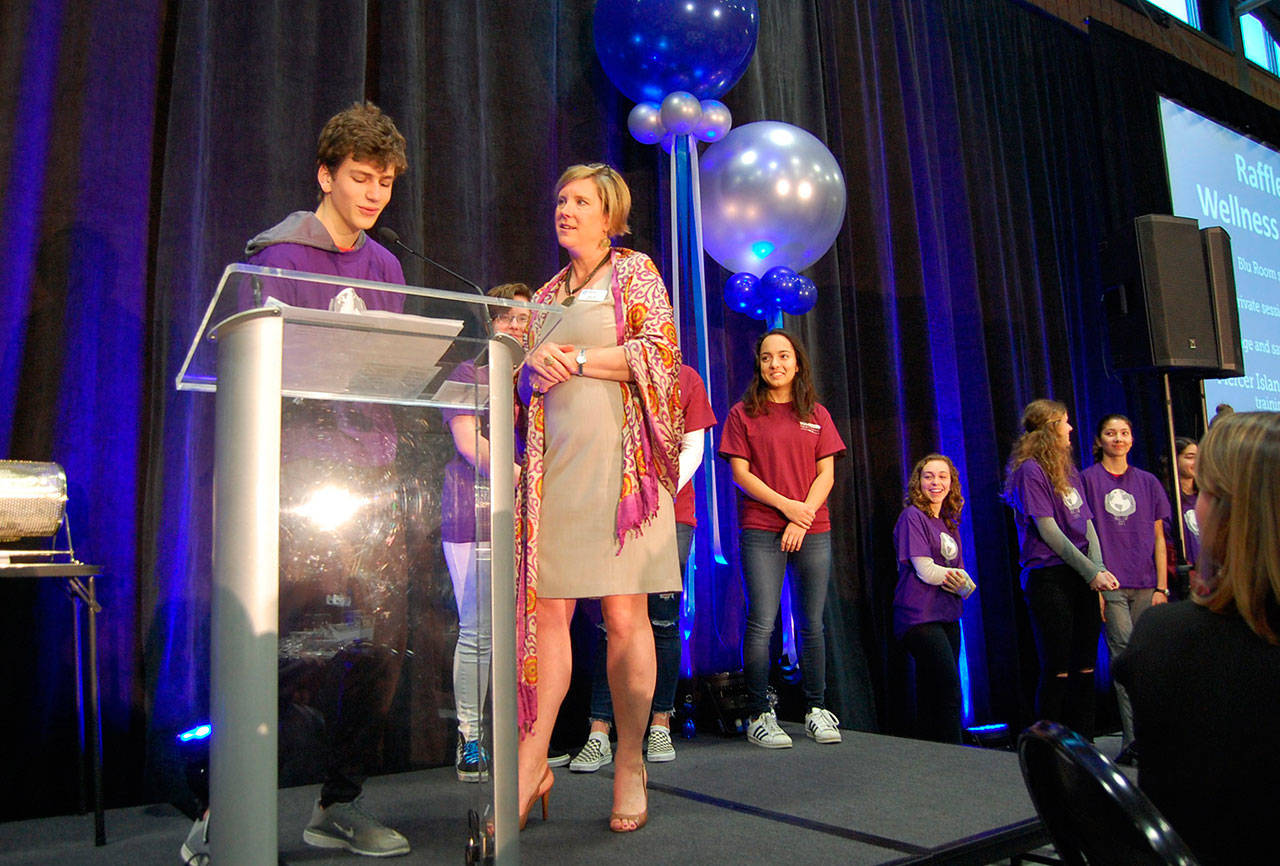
1161 589
582 359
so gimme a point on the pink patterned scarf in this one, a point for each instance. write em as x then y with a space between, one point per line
653 425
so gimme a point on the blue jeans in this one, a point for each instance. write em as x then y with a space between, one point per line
763 566
664 618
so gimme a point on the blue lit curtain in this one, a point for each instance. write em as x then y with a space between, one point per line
78 112
144 143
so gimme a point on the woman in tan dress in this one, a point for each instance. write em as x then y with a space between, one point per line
595 500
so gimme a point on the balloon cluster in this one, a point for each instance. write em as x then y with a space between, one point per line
779 289
773 201
679 114
773 196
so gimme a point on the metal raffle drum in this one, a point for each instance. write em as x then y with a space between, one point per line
33 497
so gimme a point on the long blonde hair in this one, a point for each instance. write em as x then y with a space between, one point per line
1238 472
1039 442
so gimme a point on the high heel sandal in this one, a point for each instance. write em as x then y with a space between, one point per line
543 793
640 820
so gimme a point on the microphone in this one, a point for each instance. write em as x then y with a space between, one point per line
389 237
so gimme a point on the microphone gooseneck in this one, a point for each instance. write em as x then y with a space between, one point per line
389 237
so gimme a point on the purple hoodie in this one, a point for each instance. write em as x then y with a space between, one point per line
359 434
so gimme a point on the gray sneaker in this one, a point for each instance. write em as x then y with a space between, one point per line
195 851
659 749
346 825
594 755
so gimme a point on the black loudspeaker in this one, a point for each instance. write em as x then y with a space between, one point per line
1222 289
1159 311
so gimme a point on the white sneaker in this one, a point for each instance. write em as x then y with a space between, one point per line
346 825
763 730
822 725
195 850
659 749
594 754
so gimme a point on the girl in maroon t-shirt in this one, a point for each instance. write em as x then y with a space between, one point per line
782 444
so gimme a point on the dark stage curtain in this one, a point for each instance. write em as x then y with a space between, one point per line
144 145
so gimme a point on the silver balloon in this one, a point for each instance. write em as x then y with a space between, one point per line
645 123
772 194
680 112
715 123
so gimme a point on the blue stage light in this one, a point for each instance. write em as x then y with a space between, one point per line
199 732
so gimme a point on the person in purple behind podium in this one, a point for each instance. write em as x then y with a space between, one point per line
1130 510
358 158
1062 568
462 547
932 586
782 444
335 575
595 501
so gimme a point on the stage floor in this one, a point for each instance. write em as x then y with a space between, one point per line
869 800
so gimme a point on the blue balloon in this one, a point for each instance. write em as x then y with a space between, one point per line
804 294
741 293
649 48
778 285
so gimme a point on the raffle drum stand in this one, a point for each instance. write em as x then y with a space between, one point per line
253 355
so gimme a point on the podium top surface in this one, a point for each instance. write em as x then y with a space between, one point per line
376 342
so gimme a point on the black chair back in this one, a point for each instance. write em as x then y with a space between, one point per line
1094 814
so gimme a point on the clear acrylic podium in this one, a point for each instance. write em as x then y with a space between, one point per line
330 435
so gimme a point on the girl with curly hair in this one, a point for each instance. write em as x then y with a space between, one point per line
932 586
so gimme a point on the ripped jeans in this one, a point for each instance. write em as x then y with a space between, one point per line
664 617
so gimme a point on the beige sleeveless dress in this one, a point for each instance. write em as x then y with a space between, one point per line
577 540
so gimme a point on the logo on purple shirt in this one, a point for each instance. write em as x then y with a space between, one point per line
1120 504
1073 500
949 546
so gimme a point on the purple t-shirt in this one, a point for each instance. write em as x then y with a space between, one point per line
1032 495
360 434
371 261
914 601
783 452
1125 510
1191 529
458 499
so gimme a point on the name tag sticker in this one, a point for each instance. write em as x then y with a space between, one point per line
811 428
593 296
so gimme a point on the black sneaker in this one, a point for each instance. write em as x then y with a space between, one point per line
557 757
1128 756
471 761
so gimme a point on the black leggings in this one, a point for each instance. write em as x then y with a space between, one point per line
1065 619
935 646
